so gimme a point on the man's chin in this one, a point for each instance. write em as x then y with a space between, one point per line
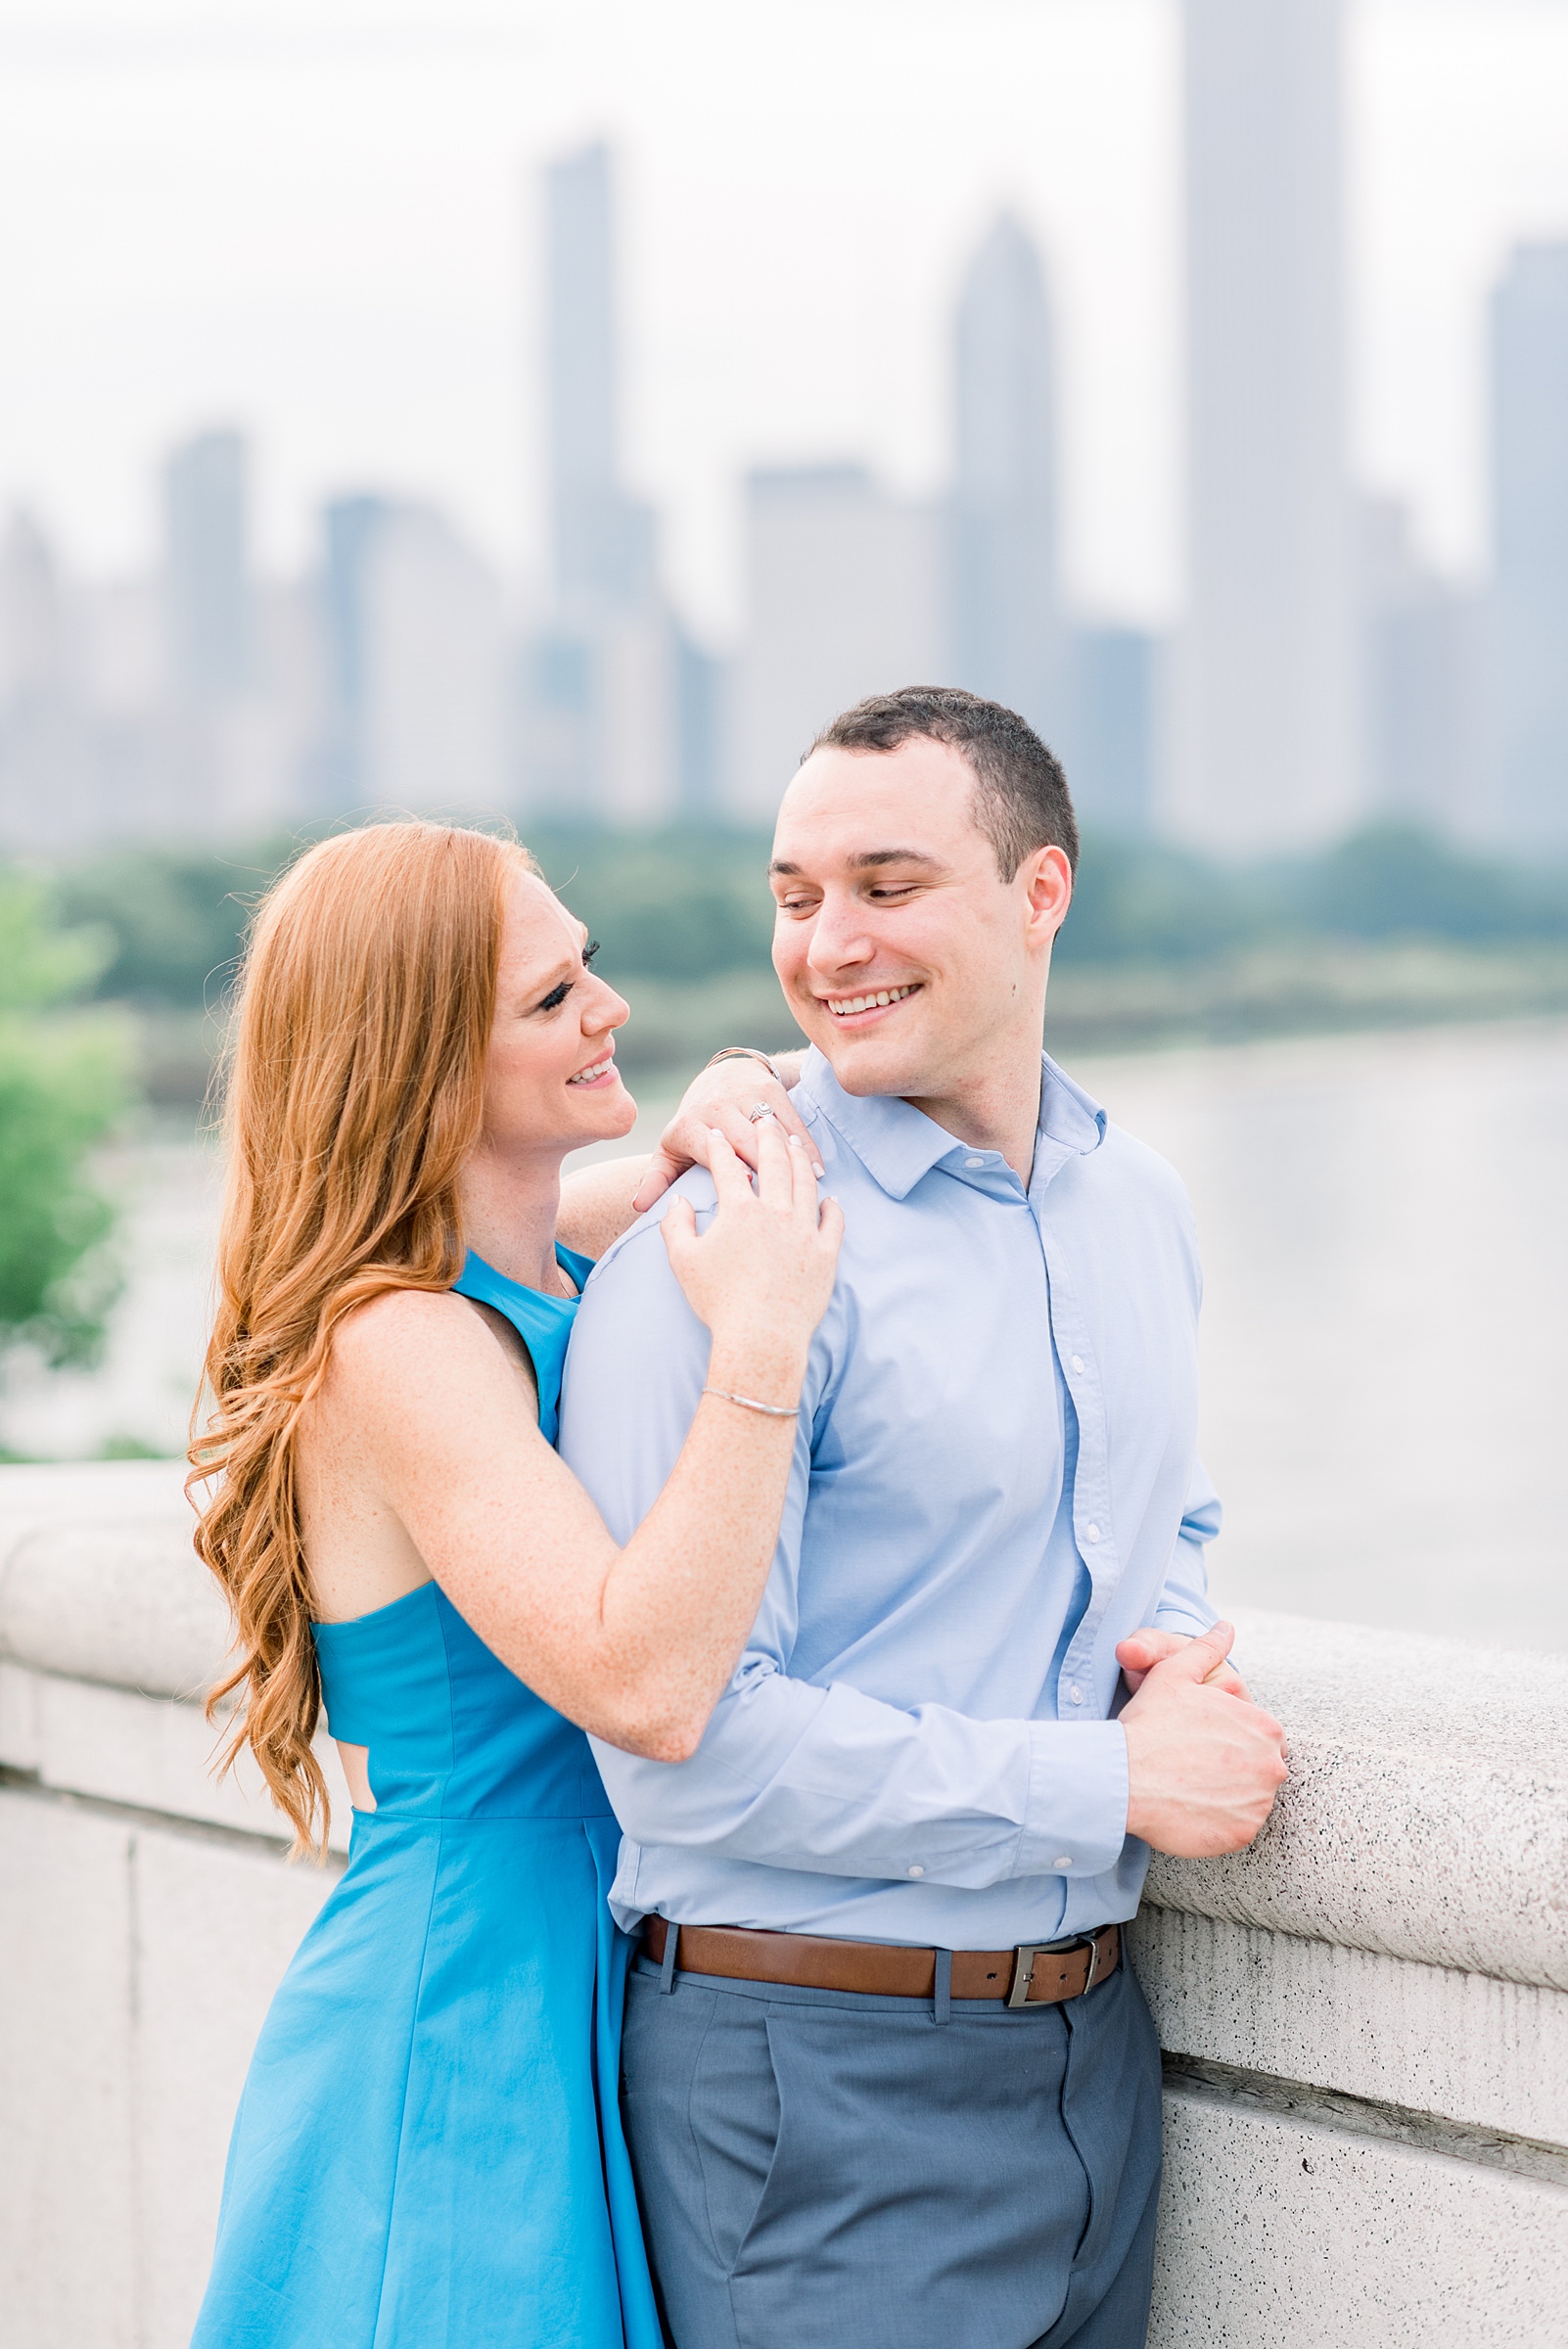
866 1062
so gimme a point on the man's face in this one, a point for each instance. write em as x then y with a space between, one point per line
904 955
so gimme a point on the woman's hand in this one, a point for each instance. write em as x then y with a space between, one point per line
720 1096
761 1275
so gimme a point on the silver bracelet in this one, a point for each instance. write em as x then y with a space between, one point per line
748 1402
749 1052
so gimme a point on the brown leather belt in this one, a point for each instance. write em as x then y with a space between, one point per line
1036 1974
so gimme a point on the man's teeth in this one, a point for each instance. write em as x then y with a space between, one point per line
587 1075
842 1007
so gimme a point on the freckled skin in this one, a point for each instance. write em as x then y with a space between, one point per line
422 1458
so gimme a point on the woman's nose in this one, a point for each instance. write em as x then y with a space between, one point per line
608 1011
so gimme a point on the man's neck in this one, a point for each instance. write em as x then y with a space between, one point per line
509 1209
998 1111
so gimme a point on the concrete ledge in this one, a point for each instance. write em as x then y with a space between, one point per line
1426 2038
1427 1810
98 1579
1365 2016
1277 2233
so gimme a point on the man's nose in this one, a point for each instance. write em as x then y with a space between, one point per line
839 937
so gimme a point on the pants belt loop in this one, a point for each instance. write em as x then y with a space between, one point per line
941 1999
666 1966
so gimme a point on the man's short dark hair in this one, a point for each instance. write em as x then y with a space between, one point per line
1021 797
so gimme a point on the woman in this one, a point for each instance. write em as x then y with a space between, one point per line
428 2151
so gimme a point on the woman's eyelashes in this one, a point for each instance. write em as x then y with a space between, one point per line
558 994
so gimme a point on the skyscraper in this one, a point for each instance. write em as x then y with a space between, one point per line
1418 655
607 708
1004 560
1529 666
417 663
843 598
206 570
604 541
1264 752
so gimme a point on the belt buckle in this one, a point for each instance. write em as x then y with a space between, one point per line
1025 1954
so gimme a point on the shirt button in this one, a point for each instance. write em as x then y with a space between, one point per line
973 1161
1078 1364
1093 1533
917 1871
1076 1695
1066 1860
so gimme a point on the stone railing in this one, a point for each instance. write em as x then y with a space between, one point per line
1365 2017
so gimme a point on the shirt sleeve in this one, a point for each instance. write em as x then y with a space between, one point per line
1183 1604
790 1773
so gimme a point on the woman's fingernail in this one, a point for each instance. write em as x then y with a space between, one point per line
796 1142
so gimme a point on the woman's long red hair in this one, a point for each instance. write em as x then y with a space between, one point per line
356 1092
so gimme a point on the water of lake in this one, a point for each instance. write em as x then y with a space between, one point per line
1385 1231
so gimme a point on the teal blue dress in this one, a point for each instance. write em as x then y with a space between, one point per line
427 2153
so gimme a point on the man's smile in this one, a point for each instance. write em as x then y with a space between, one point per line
871 1001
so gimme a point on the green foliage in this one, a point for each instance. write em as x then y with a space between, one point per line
64 1079
174 918
1396 882
682 904
1138 901
685 920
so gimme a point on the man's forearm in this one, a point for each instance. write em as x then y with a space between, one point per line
832 1782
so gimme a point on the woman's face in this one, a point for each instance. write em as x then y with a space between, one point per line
550 1077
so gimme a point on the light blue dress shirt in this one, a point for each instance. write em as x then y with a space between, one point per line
994 1481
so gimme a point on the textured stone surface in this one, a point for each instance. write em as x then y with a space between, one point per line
67 2178
1427 1810
98 1579
1474 2050
149 1754
136 1963
1398 1935
1276 2234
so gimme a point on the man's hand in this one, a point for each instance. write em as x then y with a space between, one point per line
1141 1650
1204 1766
722 1096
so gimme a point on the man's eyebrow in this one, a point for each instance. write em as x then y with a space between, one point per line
876 857
869 861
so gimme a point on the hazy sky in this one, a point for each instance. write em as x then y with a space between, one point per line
320 218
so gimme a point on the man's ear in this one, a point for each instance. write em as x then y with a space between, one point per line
1048 880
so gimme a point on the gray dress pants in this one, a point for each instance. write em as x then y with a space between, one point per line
820 2170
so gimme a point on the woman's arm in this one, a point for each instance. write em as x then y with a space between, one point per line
635 1644
598 1203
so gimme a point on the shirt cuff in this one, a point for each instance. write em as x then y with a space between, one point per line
1076 1823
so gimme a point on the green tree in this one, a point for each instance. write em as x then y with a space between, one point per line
64 1077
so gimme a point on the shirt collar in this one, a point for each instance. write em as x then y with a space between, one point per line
898 1143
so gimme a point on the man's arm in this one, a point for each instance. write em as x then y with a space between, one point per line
792 1774
1184 1601
1182 1612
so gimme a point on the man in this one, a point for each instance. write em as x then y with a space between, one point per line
891 2083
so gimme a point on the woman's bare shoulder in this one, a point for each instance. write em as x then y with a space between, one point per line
407 1335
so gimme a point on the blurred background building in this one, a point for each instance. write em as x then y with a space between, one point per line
1528 664
1265 752
1324 674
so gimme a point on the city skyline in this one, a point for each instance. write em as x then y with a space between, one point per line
373 316
398 671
